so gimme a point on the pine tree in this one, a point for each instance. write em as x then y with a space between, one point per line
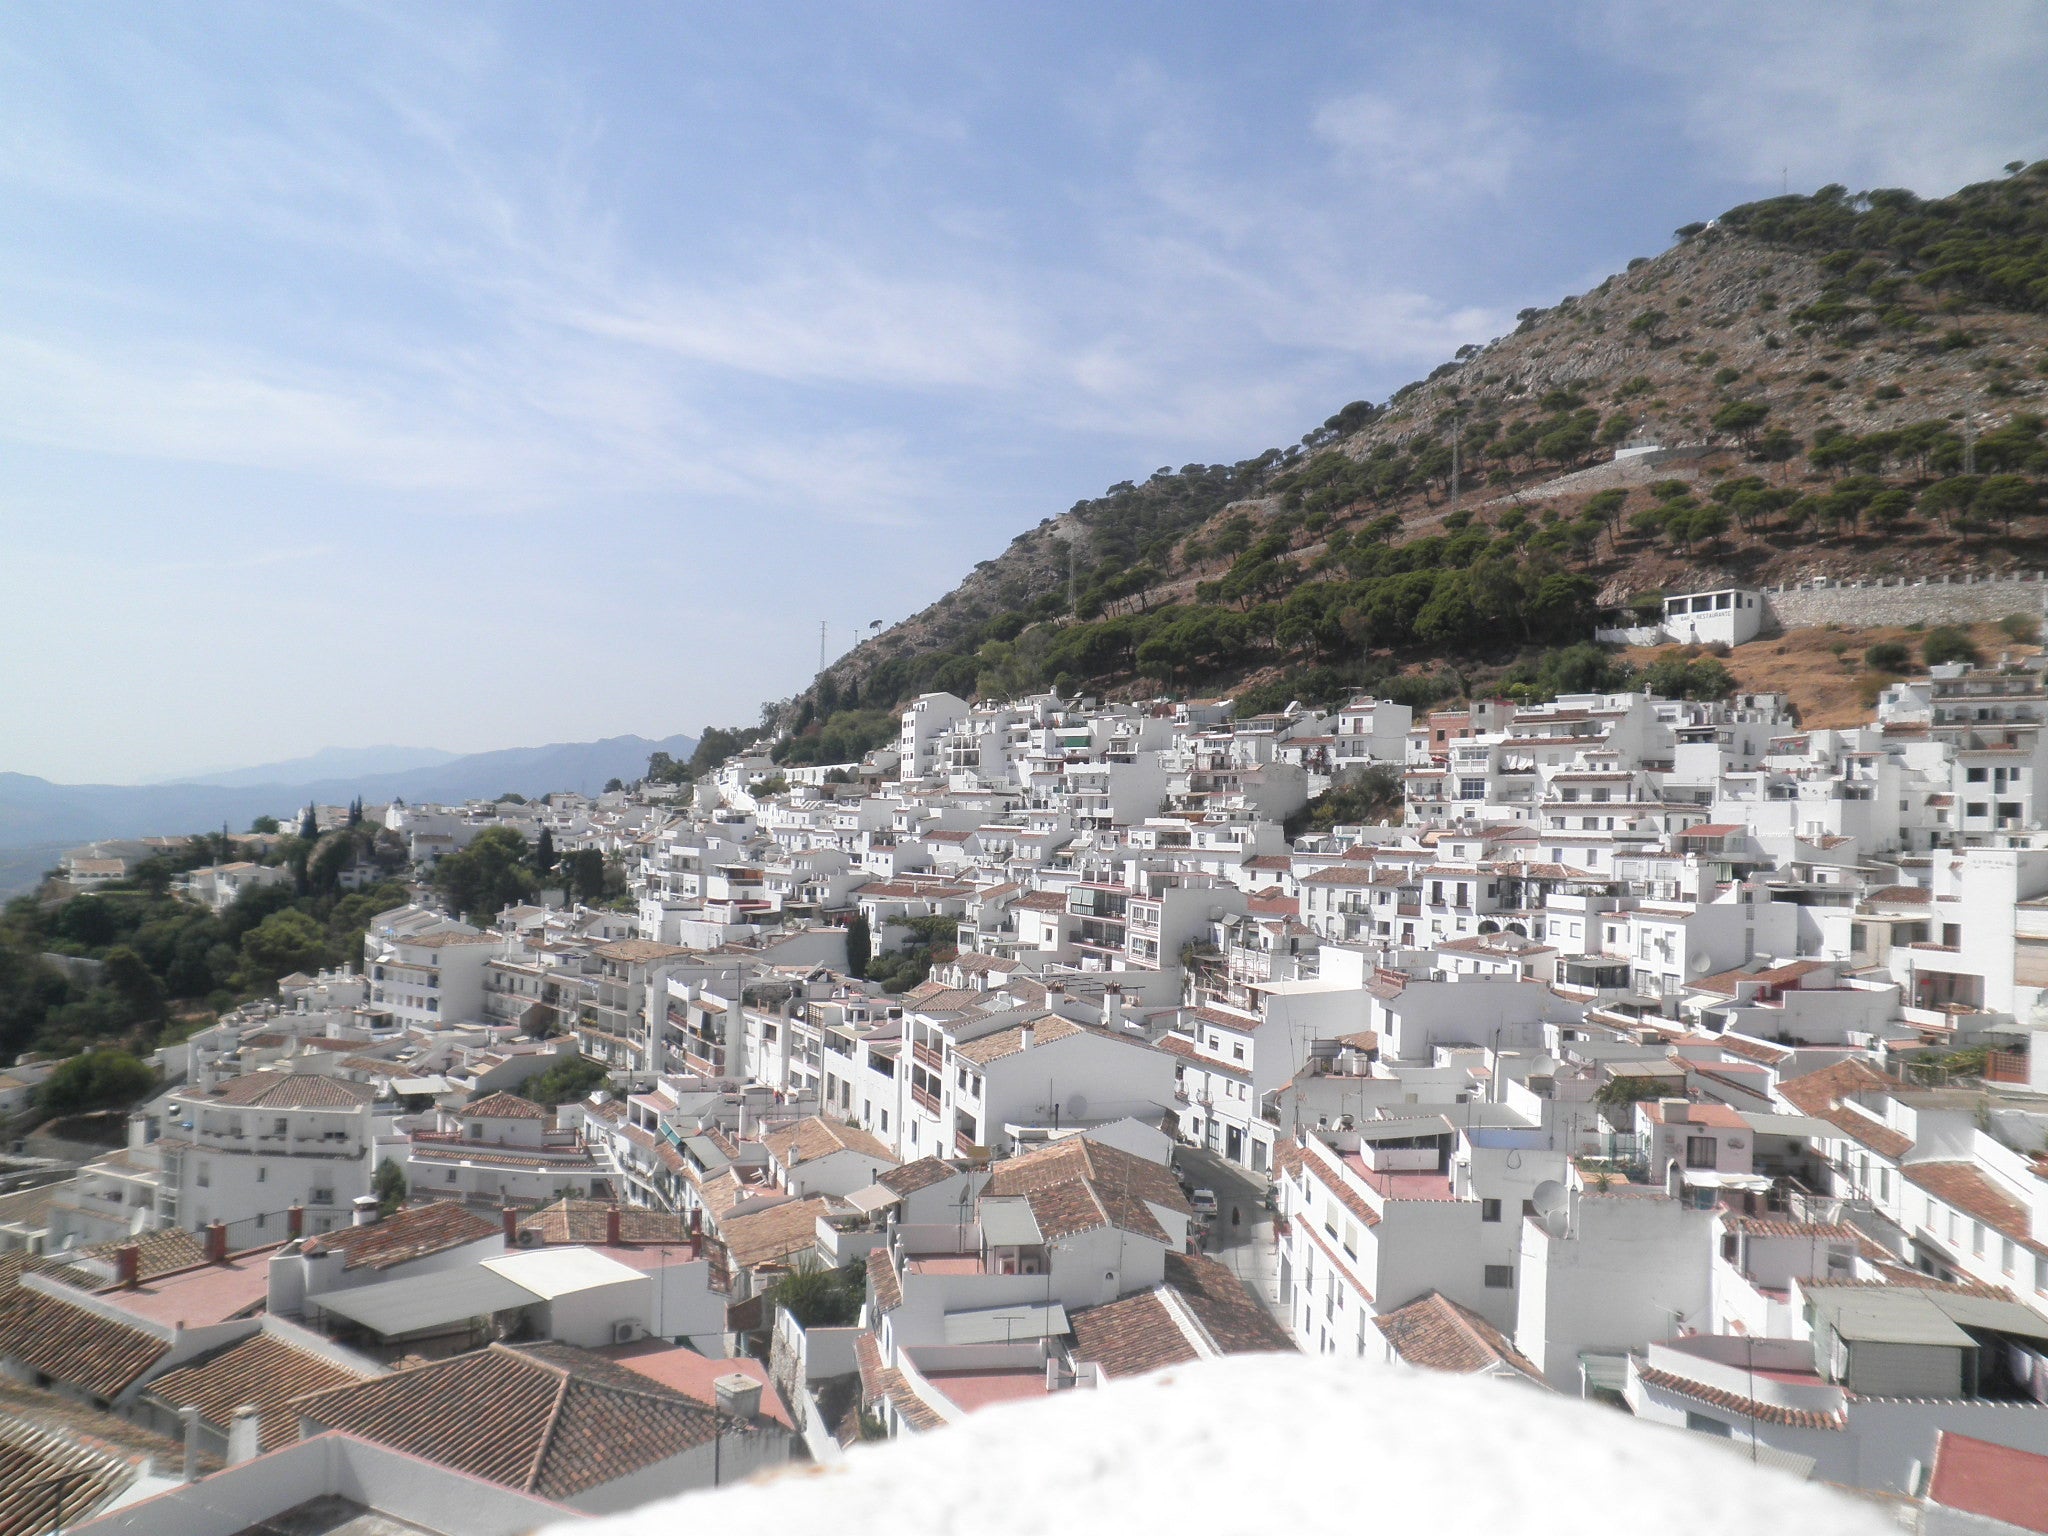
309 825
544 852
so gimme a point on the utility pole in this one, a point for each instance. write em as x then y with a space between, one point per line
821 645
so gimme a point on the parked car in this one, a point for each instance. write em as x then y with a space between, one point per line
1203 1202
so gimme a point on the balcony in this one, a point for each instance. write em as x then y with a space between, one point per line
926 1101
928 1055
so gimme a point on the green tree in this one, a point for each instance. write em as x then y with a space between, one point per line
490 874
1741 418
282 943
1947 643
388 1185
309 826
2005 497
1888 656
264 825
103 1079
544 852
133 982
567 1080
859 946
586 875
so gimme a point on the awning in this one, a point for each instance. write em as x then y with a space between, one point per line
394 1309
707 1152
1003 1325
1007 1222
875 1197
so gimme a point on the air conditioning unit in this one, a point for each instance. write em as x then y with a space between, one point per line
529 1239
622 1333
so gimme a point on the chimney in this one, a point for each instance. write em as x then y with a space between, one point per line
612 1237
738 1394
216 1242
295 1220
510 1218
366 1211
244 1435
128 1265
696 1234
191 1418
1025 1035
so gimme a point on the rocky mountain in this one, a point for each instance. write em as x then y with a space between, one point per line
1840 384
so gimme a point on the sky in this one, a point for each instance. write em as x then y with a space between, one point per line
474 376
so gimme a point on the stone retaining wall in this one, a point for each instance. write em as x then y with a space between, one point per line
1964 599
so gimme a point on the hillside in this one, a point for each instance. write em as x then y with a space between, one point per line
1855 384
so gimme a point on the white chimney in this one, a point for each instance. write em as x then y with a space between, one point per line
1025 1035
191 1417
365 1211
245 1438
738 1394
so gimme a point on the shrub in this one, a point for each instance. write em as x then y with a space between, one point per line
1947 643
1888 656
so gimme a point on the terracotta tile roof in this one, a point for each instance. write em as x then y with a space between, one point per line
265 1371
1752 1050
1008 1042
503 1106
1078 1205
819 1136
157 1253
1742 1407
1437 1334
589 1221
1973 1192
412 1233
1236 1323
75 1346
1041 901
443 940
291 1090
911 1177
1083 1157
1725 983
44 1437
1820 1094
1767 1226
879 1383
774 1235
639 951
1133 1335
883 1282
546 1419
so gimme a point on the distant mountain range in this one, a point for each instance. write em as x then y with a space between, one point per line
327 763
38 818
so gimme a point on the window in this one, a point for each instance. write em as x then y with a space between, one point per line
1977 1238
277 1127
1237 1051
451 1175
1489 1210
2007 1255
1500 1277
1700 1151
1973 775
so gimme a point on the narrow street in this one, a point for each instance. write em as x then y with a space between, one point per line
1245 1244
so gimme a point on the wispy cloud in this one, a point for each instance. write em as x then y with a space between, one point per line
1892 93
1442 131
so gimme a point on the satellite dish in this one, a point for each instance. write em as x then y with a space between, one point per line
1551 1202
1701 963
1077 1104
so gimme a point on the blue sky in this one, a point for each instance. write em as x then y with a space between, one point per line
476 376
